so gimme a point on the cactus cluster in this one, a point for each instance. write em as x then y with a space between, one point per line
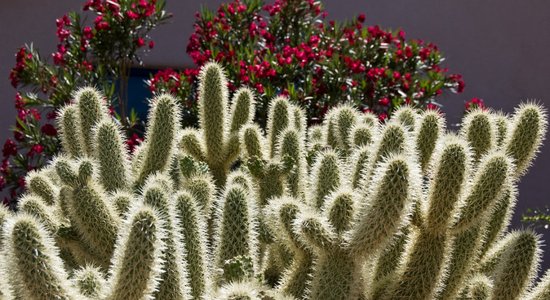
350 209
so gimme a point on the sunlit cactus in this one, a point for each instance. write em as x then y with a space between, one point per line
69 125
111 155
528 131
90 282
32 261
160 139
479 131
236 228
137 261
350 209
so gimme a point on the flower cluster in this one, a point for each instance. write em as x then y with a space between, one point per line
288 48
97 53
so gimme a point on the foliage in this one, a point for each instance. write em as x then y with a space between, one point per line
96 52
287 48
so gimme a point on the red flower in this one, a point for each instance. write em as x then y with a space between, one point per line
361 18
9 148
49 130
384 101
21 182
87 32
36 149
140 42
58 58
151 44
132 15
474 103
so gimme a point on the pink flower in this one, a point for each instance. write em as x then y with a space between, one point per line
151 44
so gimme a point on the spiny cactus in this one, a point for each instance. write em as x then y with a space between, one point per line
350 209
220 145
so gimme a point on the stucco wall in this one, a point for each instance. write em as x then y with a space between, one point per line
499 46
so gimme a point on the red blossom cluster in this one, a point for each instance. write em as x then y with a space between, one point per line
288 48
96 55
473 104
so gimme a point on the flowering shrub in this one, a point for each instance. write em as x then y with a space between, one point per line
98 52
288 48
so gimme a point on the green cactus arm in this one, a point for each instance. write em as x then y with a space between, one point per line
407 116
42 186
464 249
527 133
213 108
386 210
361 135
278 119
500 217
517 266
191 144
32 261
431 126
35 207
542 290
253 142
4 215
315 133
340 120
112 156
479 287
242 109
291 145
159 145
393 139
91 282
340 209
387 264
423 266
136 265
65 170
360 164
69 124
326 177
122 201
370 119
173 280
479 131
502 124
192 226
236 226
451 169
337 276
203 190
231 151
493 172
299 119
95 219
315 231
91 110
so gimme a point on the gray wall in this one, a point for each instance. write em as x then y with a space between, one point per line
500 47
